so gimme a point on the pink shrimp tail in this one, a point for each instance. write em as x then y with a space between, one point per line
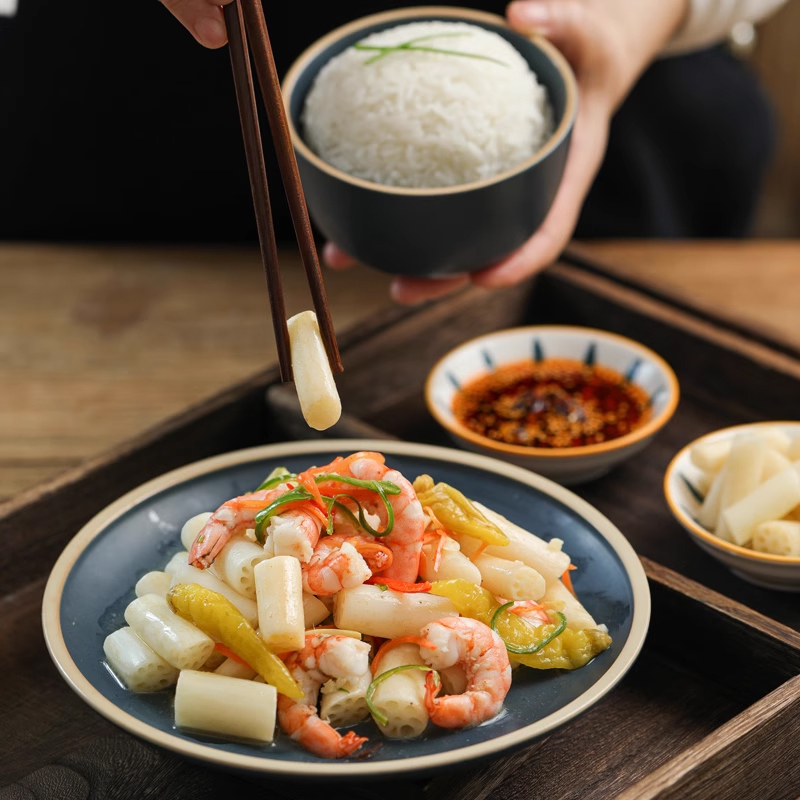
313 734
349 743
204 550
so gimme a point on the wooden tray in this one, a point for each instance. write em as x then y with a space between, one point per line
711 708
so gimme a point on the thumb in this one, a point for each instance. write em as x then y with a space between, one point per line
566 23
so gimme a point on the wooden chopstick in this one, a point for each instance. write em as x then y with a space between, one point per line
253 27
251 133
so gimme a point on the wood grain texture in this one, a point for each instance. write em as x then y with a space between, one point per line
777 61
756 754
754 283
128 337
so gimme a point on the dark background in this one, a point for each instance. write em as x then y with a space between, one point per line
116 126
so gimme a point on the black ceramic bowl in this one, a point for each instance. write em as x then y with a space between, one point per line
440 231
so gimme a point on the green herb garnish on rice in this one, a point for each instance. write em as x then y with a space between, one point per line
411 44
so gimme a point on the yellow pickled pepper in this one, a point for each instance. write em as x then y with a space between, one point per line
218 618
569 650
456 512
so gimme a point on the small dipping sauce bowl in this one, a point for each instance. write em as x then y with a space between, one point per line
605 375
433 231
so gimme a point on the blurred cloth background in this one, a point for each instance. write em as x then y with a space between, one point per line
117 126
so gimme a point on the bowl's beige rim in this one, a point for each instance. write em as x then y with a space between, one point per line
399 15
73 676
698 530
648 429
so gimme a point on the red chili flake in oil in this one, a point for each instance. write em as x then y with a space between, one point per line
556 402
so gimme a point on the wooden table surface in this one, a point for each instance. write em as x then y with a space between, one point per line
99 343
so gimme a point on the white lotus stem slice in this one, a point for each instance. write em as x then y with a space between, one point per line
770 501
313 379
779 537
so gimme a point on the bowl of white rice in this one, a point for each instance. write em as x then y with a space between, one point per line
430 141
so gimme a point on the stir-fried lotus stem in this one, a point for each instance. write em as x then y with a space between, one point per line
218 618
377 715
536 646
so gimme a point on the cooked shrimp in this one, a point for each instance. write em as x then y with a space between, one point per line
322 658
342 562
405 538
238 514
294 533
482 655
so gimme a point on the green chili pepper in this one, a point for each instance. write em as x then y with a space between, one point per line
377 715
456 512
533 648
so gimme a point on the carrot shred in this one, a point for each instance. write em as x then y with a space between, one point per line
530 606
251 504
228 653
440 531
368 550
306 480
481 548
392 643
432 687
567 580
399 586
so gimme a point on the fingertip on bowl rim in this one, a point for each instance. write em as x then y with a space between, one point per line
640 434
691 525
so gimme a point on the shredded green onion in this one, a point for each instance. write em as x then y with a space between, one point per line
334 501
264 515
374 486
525 651
281 474
278 475
411 44
362 519
377 715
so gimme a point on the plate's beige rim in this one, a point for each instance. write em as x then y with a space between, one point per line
269 765
648 429
400 15
698 530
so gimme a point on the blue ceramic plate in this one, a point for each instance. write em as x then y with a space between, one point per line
93 580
